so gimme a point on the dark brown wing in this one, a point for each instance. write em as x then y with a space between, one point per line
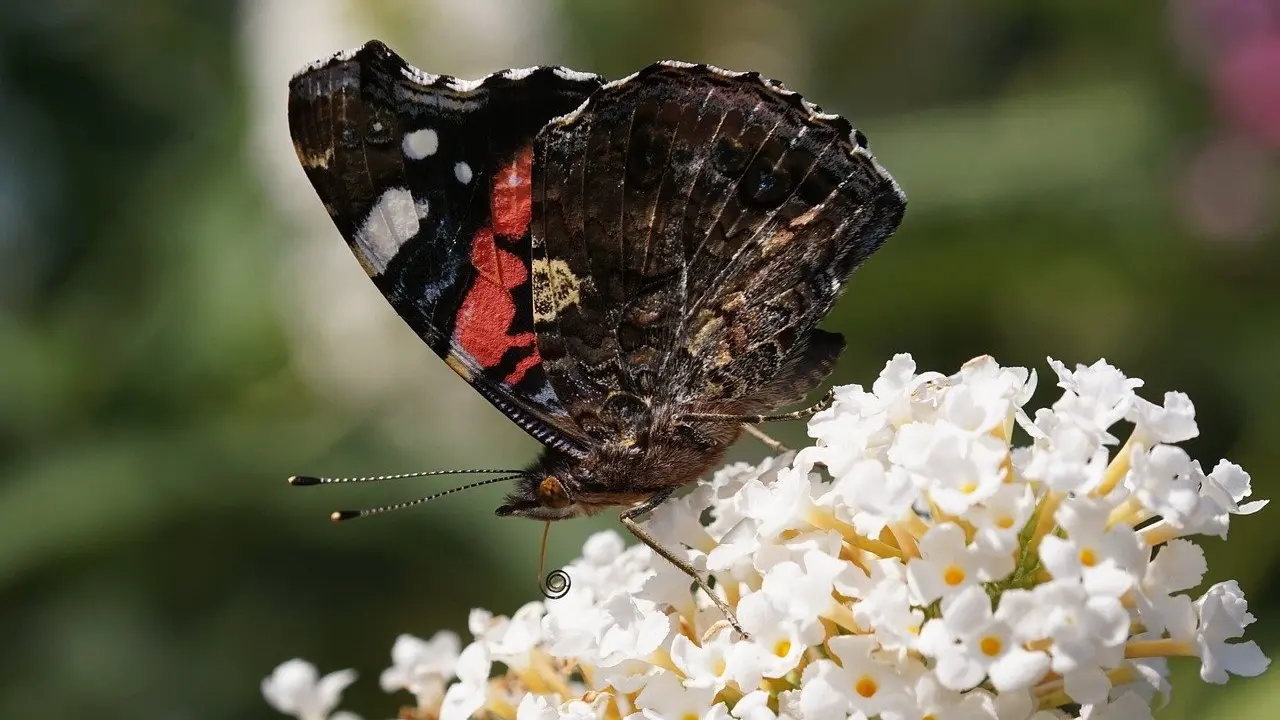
429 178
691 228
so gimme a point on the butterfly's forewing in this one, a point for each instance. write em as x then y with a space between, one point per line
691 228
428 178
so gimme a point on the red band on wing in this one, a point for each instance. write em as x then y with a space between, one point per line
488 310
512 200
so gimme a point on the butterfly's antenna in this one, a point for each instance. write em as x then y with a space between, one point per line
301 480
556 584
340 515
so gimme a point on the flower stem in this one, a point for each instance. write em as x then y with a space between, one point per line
1117 468
1045 521
1158 648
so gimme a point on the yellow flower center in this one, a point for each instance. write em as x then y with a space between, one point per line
782 648
689 716
1088 557
1004 522
990 646
866 686
953 575
969 487
718 667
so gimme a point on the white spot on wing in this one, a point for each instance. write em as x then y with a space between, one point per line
420 143
391 222
422 208
462 171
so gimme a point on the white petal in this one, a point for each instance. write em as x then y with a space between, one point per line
329 689
536 707
462 700
1018 669
1244 659
824 692
956 670
968 611
473 664
1179 565
1087 685
290 686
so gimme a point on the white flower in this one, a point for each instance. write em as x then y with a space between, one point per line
1221 492
510 640
468 694
777 642
1129 706
1087 633
914 563
1173 422
1098 392
1164 480
296 689
703 665
885 605
754 706
876 496
664 697
1106 559
959 469
970 642
803 589
1069 453
934 702
635 628
421 666
1223 615
862 682
536 707
1000 519
947 564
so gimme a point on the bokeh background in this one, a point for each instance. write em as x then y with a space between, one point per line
181 327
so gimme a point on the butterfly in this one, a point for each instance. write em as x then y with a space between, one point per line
631 271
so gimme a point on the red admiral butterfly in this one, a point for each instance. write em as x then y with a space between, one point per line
628 270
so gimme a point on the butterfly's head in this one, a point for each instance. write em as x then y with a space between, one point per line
548 490
560 486
542 495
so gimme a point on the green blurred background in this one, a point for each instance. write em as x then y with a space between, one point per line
181 327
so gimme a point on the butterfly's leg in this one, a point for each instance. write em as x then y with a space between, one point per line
628 518
765 438
804 414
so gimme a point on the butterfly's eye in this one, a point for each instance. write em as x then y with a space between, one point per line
551 493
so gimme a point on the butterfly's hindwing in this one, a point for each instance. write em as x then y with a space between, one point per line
691 228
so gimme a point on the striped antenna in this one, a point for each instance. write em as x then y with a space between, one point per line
341 515
304 480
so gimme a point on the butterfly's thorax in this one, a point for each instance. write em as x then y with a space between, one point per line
641 448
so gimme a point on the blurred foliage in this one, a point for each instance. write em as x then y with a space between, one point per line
152 560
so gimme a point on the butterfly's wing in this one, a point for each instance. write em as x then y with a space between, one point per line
428 178
691 227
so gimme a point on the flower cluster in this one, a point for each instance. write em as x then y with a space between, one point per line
914 562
